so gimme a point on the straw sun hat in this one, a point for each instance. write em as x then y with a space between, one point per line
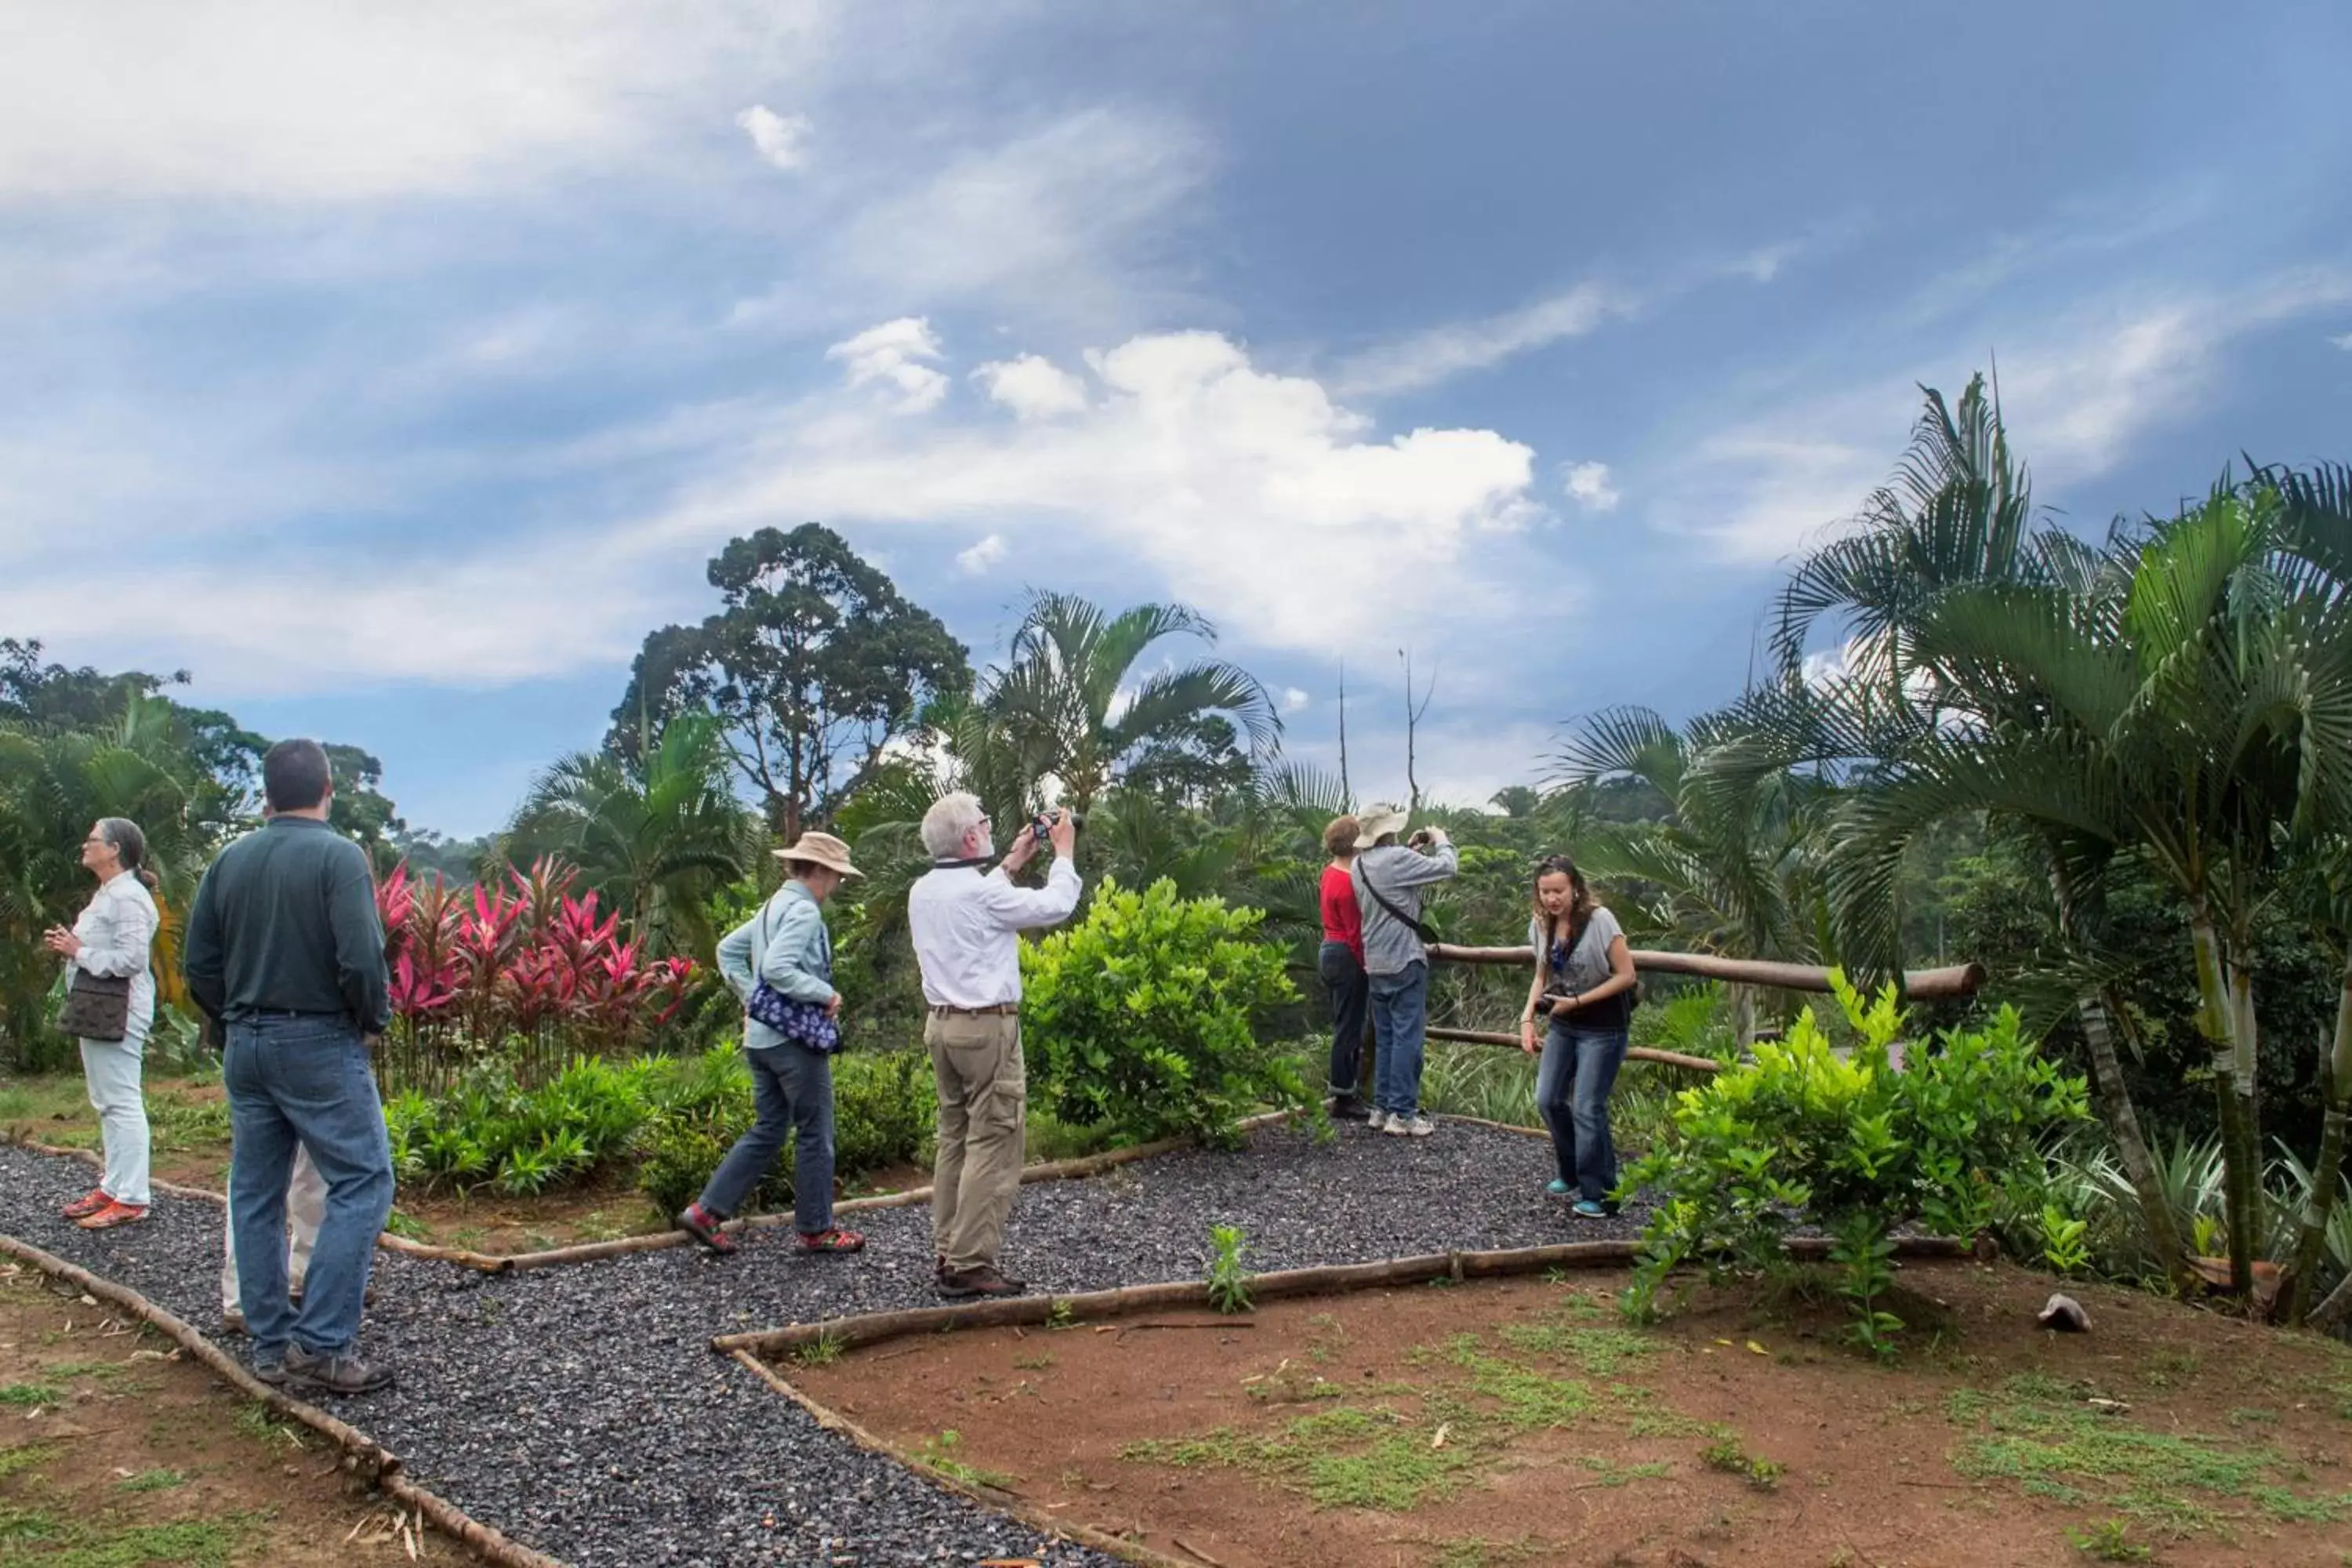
1377 822
821 849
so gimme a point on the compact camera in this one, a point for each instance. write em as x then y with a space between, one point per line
1040 827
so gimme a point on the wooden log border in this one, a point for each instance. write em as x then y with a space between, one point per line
362 1454
990 1498
872 1328
1632 1053
1918 985
589 1252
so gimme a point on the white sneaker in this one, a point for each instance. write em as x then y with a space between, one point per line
1419 1127
1396 1127
1378 1121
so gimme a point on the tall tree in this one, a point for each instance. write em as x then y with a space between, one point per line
814 665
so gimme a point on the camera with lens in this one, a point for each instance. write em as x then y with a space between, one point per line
1040 827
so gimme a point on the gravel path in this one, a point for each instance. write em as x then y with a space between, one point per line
580 1410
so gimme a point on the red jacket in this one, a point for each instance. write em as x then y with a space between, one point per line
1342 920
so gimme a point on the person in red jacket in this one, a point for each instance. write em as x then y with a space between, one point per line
1341 965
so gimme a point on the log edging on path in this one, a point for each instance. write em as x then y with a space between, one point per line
589 1252
872 1328
362 1454
1010 1504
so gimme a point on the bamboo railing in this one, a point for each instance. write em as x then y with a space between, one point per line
1918 985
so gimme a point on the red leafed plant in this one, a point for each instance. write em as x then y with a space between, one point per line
525 957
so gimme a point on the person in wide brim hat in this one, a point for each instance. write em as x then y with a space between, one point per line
820 849
1375 823
784 952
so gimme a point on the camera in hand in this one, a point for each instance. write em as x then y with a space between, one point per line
1040 827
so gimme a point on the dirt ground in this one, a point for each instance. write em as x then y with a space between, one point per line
114 1454
1523 1422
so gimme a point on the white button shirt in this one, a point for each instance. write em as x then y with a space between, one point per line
967 929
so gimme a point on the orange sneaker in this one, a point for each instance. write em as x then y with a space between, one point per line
88 1203
113 1215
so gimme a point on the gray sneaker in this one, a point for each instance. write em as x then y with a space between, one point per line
272 1371
334 1374
1416 1126
1378 1121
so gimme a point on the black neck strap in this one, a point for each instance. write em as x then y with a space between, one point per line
958 865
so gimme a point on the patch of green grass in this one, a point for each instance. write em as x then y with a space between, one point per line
96 1369
1602 1352
2167 1364
26 1526
1037 1362
16 1105
30 1395
594 1225
1477 1551
823 1351
2036 1433
27 1457
153 1482
196 1543
254 1420
939 1453
2109 1540
405 1224
1727 1455
1608 1473
1061 1315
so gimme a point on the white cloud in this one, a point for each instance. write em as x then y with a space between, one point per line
2079 394
1253 496
1295 701
888 358
781 139
1442 352
1033 387
1589 486
342 99
982 556
2343 342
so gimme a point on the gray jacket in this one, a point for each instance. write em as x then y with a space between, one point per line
1389 945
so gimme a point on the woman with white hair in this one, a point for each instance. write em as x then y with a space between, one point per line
781 963
110 1009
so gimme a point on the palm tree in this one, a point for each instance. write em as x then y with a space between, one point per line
1958 516
2199 714
1072 705
652 834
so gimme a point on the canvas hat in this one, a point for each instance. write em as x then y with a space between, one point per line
823 850
1375 823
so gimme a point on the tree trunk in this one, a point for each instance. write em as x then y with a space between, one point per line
2217 1020
1743 1016
2326 1176
2131 1144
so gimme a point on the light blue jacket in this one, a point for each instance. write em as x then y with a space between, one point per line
795 957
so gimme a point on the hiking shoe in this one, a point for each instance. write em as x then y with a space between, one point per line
1347 1107
344 1373
1415 1126
1555 1188
977 1284
1379 1122
703 1226
232 1322
113 1215
272 1371
833 1240
88 1203
1585 1208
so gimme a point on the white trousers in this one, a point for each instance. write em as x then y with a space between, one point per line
111 1069
305 1205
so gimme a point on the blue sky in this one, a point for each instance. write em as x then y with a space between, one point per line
396 368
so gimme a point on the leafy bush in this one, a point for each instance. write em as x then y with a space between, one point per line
1141 1016
521 1142
883 1104
1854 1145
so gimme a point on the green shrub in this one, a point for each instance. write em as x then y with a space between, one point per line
1141 1016
1851 1146
883 1106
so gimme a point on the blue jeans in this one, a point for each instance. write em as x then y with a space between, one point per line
305 1081
792 1093
1400 1024
1344 978
1579 1067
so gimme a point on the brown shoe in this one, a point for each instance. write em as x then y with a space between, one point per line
978 1284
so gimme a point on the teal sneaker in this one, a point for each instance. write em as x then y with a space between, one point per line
1557 1189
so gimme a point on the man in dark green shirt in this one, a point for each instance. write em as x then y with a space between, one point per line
284 952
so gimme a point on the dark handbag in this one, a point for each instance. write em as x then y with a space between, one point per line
98 1006
804 1023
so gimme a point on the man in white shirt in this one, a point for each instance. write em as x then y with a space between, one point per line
966 926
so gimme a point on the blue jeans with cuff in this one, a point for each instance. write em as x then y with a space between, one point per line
298 1080
791 1096
1399 1034
1579 1067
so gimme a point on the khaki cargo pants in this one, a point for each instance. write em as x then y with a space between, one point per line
984 1105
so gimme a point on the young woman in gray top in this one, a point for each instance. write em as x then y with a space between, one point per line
1584 978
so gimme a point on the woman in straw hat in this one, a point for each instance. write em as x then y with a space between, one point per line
791 1060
